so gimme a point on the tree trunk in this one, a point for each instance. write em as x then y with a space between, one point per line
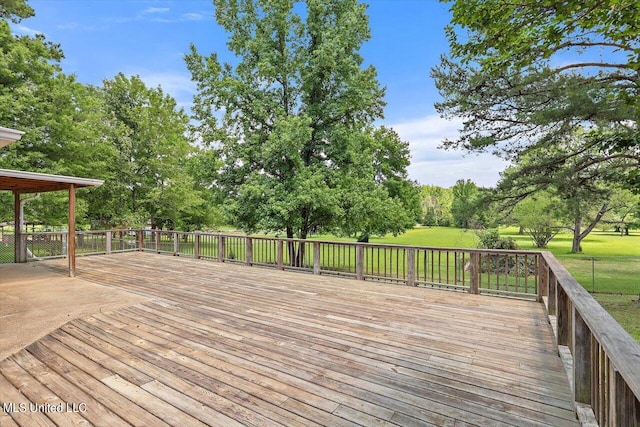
296 254
364 237
579 236
291 246
575 246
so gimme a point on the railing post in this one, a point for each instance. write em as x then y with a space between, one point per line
562 316
553 294
474 273
249 250
140 240
543 277
359 262
581 359
221 248
176 243
196 245
411 267
624 405
157 240
108 245
280 255
316 257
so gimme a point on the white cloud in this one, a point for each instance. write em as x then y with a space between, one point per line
27 31
74 26
155 10
435 166
193 17
178 85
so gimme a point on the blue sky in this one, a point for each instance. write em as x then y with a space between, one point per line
149 38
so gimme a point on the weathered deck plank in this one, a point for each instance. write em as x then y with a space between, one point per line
222 344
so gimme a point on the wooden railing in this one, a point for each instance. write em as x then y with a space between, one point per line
605 358
507 273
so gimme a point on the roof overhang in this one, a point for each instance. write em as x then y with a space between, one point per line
7 136
31 182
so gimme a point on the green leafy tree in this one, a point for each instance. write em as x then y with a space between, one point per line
28 67
436 205
583 182
15 10
530 73
465 205
202 167
538 216
624 211
148 177
294 130
389 203
59 116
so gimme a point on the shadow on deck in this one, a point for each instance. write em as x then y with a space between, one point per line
205 343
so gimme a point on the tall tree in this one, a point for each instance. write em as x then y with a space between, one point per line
531 72
28 70
624 211
538 215
148 178
295 137
465 204
576 171
436 205
61 117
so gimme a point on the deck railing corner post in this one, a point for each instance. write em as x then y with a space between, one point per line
543 277
176 243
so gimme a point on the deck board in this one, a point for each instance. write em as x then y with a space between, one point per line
224 344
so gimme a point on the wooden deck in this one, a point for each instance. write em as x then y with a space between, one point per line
224 345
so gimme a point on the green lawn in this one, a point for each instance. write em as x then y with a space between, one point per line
441 237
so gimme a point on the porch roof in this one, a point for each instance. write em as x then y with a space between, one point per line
32 182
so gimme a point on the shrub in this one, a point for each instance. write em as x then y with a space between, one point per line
490 239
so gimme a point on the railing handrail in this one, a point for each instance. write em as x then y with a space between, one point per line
370 244
286 239
622 350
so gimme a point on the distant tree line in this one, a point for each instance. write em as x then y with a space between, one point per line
541 214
